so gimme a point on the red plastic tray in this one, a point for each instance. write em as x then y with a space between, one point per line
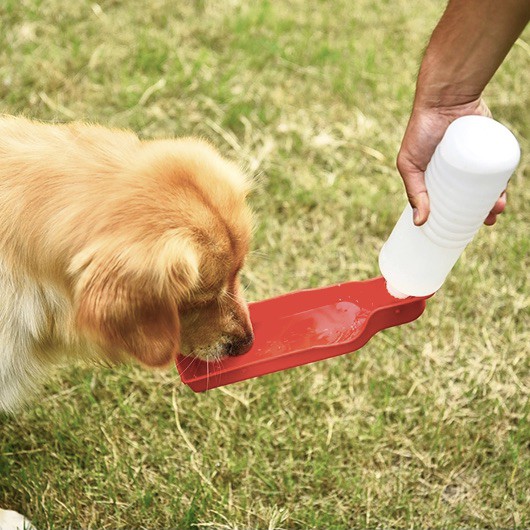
303 327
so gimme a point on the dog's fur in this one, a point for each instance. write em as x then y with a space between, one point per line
115 247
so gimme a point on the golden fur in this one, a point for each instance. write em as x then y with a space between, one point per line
114 246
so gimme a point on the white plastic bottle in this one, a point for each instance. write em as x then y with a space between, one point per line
466 175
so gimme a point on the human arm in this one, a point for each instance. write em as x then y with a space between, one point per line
467 46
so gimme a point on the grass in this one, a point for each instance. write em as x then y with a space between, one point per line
428 425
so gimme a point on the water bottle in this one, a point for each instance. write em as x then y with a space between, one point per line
468 172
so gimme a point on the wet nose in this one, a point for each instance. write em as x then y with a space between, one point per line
239 345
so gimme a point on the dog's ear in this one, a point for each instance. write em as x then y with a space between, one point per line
128 306
123 314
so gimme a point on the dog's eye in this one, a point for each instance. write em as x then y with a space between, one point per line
205 297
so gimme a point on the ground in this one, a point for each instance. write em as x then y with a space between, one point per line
427 425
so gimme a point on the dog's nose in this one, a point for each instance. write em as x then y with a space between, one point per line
239 345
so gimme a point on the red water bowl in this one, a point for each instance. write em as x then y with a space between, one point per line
303 327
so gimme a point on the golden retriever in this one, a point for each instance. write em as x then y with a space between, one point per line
116 247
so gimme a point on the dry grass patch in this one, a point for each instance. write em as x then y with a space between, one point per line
427 425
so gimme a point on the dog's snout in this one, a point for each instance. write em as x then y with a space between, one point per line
239 345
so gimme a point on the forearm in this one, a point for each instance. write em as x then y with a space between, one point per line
466 48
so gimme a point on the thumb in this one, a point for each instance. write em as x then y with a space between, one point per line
414 180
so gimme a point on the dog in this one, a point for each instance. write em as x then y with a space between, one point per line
115 248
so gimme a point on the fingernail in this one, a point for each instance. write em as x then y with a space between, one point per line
415 215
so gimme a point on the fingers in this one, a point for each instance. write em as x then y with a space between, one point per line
500 205
497 209
490 220
414 180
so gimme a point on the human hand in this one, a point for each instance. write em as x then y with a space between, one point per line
426 127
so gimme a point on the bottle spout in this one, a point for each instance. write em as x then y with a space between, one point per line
395 293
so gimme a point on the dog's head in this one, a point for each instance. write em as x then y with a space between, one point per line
161 277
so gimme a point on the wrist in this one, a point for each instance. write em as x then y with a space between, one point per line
425 115
441 86
444 96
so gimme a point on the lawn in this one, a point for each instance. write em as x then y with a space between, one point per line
426 426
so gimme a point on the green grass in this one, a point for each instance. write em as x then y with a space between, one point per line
426 426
